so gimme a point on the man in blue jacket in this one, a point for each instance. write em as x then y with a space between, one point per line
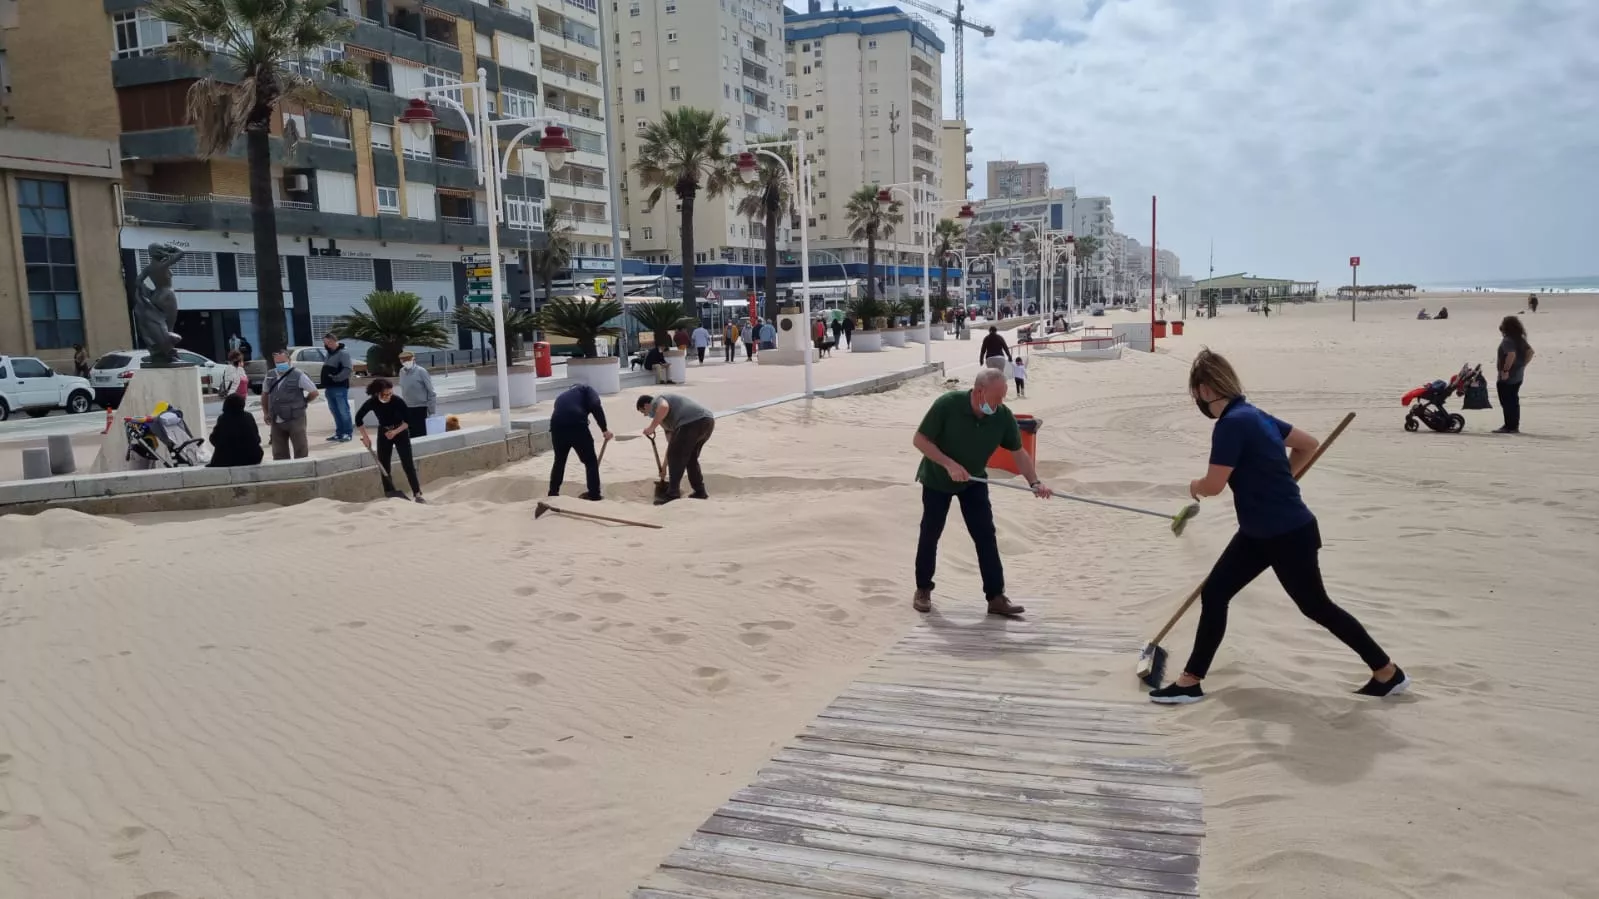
337 367
569 432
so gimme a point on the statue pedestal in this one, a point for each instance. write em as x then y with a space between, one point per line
178 387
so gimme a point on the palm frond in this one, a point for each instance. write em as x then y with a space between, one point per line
584 321
869 219
659 318
684 152
479 317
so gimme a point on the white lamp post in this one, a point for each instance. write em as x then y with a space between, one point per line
748 171
491 168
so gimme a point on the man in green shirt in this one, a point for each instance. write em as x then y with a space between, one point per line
956 438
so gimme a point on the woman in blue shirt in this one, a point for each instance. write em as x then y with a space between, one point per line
1276 530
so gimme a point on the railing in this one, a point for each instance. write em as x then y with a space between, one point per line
573 182
223 199
585 113
566 35
446 160
457 220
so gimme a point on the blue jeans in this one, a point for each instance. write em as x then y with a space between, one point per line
979 517
339 404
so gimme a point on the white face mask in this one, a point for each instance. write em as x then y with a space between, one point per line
407 365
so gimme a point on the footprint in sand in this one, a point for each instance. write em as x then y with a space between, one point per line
498 723
552 762
502 645
352 624
529 590
610 597
529 678
128 838
567 617
778 625
772 678
320 629
461 628
600 627
670 638
714 680
8 821
830 612
754 638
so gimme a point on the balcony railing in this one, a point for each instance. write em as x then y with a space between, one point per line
457 220
571 36
570 110
574 182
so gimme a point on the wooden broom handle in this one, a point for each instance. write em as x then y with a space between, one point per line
1183 609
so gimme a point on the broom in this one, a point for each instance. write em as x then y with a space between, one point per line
1152 660
1177 522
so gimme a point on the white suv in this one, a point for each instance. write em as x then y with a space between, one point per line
111 373
28 385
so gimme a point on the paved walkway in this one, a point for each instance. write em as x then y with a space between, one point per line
939 774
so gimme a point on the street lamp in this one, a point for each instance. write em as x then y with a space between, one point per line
919 208
491 168
800 181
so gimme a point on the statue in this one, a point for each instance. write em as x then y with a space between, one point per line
155 311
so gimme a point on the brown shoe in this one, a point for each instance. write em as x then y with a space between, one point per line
922 601
999 605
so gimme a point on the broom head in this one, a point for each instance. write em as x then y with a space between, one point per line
1181 519
1152 665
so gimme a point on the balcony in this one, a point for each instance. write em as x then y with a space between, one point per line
570 43
573 80
578 116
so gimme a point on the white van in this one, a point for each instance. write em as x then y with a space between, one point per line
28 385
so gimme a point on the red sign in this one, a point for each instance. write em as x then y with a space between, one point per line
752 308
1354 262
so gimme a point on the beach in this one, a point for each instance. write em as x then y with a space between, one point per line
396 700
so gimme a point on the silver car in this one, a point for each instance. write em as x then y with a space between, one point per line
112 371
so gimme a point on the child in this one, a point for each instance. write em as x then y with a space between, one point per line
1021 377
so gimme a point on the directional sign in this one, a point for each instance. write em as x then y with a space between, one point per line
477 260
487 272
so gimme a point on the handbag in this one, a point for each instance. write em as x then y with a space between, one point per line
1477 395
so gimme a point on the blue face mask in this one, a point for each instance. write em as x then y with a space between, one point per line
283 366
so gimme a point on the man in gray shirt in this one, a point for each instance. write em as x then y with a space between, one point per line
688 426
284 398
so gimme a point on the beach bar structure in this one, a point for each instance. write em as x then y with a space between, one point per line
1244 288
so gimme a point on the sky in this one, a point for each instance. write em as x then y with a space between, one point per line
1443 141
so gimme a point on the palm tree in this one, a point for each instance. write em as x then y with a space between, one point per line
947 235
770 200
479 317
870 220
391 322
555 255
685 152
659 318
584 321
993 238
259 44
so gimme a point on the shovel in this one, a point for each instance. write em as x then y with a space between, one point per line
388 490
662 490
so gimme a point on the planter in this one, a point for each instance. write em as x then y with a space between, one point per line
936 332
894 337
602 373
523 379
1160 328
916 334
677 366
866 342
1177 329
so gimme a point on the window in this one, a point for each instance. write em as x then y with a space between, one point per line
29 368
138 33
872 89
649 233
421 201
809 113
329 130
871 45
524 214
643 126
676 93
637 37
671 37
807 70
432 78
416 147
55 304
315 62
871 65
671 8
492 103
520 105
383 136
389 200
673 64
638 66
818 107
872 111
633 10
805 47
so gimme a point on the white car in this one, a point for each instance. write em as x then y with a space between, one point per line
28 385
111 373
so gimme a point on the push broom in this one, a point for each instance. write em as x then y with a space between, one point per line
1152 661
1178 521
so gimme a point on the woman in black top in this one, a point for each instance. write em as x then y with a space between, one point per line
235 438
393 433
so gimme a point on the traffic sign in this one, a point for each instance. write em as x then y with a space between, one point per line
599 287
487 272
710 295
1354 261
477 260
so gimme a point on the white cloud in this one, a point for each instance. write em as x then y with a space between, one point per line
1440 140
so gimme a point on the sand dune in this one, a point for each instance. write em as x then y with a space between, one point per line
457 700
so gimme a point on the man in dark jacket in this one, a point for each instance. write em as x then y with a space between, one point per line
569 432
994 350
336 371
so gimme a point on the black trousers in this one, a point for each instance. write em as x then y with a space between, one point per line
749 351
849 333
1293 557
416 419
730 351
1510 403
683 454
979 517
387 449
700 351
578 440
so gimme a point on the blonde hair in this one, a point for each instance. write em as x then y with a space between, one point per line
1214 371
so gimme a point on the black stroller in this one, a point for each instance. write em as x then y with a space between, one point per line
1427 401
163 440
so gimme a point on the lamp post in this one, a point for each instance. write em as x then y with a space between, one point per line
885 194
491 168
800 181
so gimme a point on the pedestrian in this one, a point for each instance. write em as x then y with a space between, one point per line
838 332
393 434
81 365
1257 455
569 432
960 320
749 341
235 380
994 352
768 336
421 400
680 339
235 438
730 342
1019 368
959 433
285 395
337 368
849 331
1513 356
1532 303
655 361
688 426
246 350
701 338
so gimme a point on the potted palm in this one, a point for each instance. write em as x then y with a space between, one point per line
894 334
391 322
586 321
661 318
868 313
479 318
940 306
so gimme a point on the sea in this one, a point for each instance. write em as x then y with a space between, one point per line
1579 284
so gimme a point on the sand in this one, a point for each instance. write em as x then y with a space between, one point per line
456 700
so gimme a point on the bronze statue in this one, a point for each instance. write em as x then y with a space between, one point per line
155 312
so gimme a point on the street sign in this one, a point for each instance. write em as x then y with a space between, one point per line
477 273
1354 261
599 287
476 260
710 295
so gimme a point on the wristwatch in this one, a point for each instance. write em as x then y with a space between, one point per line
1034 485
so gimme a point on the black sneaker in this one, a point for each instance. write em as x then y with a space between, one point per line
663 500
699 494
1171 694
591 497
1396 685
1507 430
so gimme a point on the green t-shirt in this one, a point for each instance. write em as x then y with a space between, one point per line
966 437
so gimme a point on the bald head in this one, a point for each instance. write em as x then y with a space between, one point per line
988 378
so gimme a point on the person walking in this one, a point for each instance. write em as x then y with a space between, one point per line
81 365
393 438
688 426
337 368
569 432
235 439
849 331
838 333
421 400
285 395
730 342
749 341
959 433
1513 356
235 380
994 352
701 338
1257 456
768 335
1019 370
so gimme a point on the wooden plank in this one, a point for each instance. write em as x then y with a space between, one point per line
1156 851
910 797
996 698
950 635
1134 814
1024 625
1073 734
998 758
975 694
955 830
918 675
894 735
686 870
1098 783
933 878
669 884
959 711
970 858
993 651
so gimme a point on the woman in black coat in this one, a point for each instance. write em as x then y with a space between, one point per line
236 440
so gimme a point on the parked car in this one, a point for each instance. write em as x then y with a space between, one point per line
28 385
308 359
111 373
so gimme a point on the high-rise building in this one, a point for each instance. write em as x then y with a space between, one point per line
726 57
957 178
1010 180
1167 265
868 95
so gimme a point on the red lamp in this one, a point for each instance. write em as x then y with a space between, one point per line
555 146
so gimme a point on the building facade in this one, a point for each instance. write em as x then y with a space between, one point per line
956 180
1011 180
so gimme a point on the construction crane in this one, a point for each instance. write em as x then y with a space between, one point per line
960 23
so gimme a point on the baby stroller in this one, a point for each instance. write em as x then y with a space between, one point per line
1427 401
163 440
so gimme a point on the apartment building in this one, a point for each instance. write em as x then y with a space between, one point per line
720 55
1167 265
956 180
1011 180
364 203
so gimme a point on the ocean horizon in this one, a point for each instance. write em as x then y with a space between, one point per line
1578 284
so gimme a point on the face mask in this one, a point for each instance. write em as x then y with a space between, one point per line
1204 408
986 409
283 366
407 365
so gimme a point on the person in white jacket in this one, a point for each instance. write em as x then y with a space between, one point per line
416 388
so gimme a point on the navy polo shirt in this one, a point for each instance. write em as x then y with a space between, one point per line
1265 495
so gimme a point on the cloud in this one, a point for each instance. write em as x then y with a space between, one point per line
1441 140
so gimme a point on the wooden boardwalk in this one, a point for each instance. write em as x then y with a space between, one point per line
959 767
